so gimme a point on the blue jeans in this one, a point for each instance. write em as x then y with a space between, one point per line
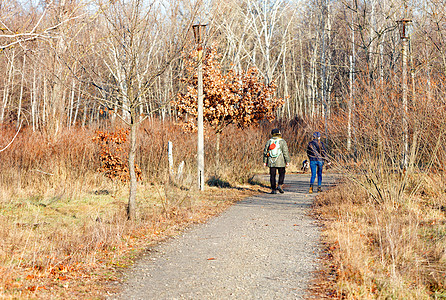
316 168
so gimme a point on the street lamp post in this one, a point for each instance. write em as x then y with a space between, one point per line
199 31
402 26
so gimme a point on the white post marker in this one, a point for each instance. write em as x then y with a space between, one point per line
170 158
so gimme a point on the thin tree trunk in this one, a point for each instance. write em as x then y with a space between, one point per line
405 108
92 114
285 87
328 83
371 50
115 110
349 107
217 150
412 74
302 81
313 83
71 108
84 116
351 96
381 62
77 106
323 99
8 84
19 110
34 102
45 95
133 180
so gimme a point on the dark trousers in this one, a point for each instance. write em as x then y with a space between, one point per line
272 176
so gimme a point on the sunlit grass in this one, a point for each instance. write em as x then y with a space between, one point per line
385 250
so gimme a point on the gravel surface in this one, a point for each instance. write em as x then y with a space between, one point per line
264 247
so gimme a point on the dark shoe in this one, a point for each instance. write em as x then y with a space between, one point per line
273 192
280 189
319 189
311 190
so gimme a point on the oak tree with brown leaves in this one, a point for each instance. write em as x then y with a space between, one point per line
240 98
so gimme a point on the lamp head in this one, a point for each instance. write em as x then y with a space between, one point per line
402 27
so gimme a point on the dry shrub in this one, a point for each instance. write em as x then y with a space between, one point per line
240 154
384 224
38 166
153 137
381 250
297 132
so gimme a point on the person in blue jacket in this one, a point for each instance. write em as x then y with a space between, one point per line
317 155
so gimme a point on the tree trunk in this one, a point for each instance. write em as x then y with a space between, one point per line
381 61
45 101
93 109
34 102
350 107
8 84
217 150
302 82
132 156
328 82
19 109
84 117
404 104
77 106
285 88
323 59
71 108
351 81
313 81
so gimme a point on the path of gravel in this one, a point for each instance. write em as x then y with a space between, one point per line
264 247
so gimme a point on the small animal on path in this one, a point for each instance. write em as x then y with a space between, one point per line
305 166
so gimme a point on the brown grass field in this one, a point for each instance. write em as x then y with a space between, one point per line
65 234
63 222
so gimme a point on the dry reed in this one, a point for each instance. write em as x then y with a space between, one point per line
62 224
384 225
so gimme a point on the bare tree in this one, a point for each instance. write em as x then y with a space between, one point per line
137 48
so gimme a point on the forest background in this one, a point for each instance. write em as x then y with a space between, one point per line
89 88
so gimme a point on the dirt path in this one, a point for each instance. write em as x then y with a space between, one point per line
264 247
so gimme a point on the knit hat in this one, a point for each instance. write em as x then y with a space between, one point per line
316 135
275 131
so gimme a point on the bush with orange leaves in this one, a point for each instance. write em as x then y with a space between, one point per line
112 155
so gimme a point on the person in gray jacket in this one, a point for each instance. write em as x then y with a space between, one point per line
276 157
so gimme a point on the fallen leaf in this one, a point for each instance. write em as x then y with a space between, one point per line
34 288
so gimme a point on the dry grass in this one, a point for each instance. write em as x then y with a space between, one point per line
385 232
385 250
63 225
72 248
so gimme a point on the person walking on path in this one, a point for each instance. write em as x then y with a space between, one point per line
276 157
317 155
